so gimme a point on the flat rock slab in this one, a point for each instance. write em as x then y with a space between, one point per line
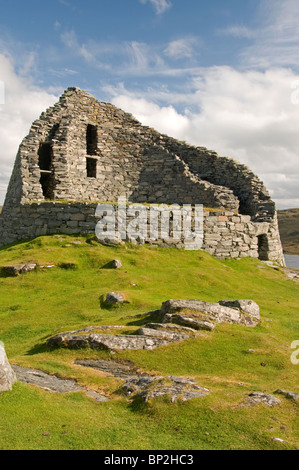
103 341
147 386
52 383
286 394
145 338
159 333
115 369
199 314
14 270
46 381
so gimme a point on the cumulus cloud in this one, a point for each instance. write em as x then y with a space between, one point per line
23 103
251 116
166 119
247 115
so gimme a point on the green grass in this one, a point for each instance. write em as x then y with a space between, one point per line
36 305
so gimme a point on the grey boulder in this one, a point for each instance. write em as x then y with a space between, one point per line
7 375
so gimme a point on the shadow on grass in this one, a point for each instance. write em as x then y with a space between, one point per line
4 273
39 349
150 317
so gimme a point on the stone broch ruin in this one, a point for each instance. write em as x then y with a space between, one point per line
82 151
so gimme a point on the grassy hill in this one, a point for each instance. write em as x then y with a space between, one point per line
227 361
289 230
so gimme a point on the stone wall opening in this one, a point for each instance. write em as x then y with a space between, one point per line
47 184
91 167
91 140
263 247
45 156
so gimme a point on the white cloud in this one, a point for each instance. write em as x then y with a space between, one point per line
181 48
24 102
240 31
70 40
160 6
166 119
247 115
275 39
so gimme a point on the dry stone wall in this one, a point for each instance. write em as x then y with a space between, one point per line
82 151
225 234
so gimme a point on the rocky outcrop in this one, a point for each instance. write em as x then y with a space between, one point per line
15 269
106 341
178 388
7 375
181 319
201 315
139 384
261 397
94 338
291 395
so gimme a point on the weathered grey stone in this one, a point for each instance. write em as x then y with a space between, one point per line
171 327
106 341
145 385
123 342
114 298
245 306
14 270
110 241
150 387
52 383
174 336
97 396
116 264
261 397
100 152
116 369
291 395
46 381
191 321
198 314
7 375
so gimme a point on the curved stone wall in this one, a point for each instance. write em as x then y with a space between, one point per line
82 151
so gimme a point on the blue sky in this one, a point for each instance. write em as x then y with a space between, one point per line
221 74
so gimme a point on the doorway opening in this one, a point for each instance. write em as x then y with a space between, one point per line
263 247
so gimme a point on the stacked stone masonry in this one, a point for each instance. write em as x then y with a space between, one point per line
82 151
